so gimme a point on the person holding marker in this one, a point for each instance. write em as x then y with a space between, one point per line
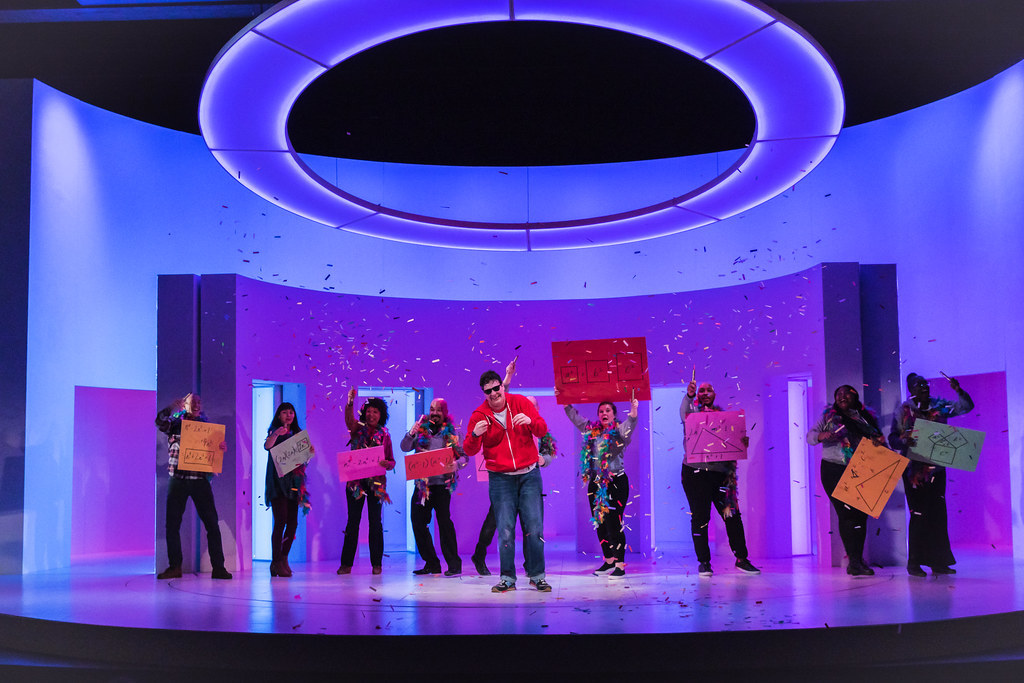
284 495
840 430
187 484
925 484
711 483
431 432
607 484
367 432
504 427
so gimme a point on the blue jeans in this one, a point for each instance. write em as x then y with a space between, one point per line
512 495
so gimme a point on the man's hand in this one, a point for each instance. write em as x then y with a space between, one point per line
691 390
479 428
520 419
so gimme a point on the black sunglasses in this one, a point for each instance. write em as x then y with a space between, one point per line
492 389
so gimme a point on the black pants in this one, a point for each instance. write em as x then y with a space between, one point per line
201 493
610 531
853 524
440 501
286 523
376 535
928 534
703 489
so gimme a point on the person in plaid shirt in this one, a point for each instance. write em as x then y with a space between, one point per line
185 484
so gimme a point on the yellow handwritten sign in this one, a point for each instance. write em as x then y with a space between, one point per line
199 450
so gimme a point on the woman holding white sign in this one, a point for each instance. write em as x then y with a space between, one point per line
367 432
840 430
284 494
711 483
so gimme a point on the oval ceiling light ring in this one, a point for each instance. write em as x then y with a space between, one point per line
252 85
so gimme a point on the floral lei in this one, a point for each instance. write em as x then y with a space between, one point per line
835 421
594 465
422 443
363 438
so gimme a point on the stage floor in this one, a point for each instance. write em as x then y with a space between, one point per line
657 596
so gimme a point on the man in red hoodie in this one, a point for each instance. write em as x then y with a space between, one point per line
504 426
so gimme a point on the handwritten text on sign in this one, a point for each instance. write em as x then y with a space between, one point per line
360 464
289 454
714 436
199 450
429 463
594 370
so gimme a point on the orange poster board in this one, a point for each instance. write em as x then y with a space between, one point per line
199 450
595 370
870 478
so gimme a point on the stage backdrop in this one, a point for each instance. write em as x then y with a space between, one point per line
748 340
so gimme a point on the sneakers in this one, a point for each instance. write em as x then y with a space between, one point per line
170 573
604 569
617 573
541 585
943 569
480 565
427 570
219 573
503 587
858 568
704 569
746 567
915 570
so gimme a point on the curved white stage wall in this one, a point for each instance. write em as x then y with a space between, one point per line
116 202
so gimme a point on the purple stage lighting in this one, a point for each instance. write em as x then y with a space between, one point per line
253 83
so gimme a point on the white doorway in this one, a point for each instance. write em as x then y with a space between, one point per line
405 405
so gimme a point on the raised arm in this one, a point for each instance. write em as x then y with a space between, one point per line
350 415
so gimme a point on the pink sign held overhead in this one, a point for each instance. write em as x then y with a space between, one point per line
715 436
361 464
429 463
595 370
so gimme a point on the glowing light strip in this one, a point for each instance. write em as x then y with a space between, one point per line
255 81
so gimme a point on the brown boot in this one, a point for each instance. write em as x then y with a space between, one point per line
282 564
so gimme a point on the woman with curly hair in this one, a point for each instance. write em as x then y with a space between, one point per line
839 430
366 432
607 484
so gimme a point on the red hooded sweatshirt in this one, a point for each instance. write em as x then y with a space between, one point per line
506 450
